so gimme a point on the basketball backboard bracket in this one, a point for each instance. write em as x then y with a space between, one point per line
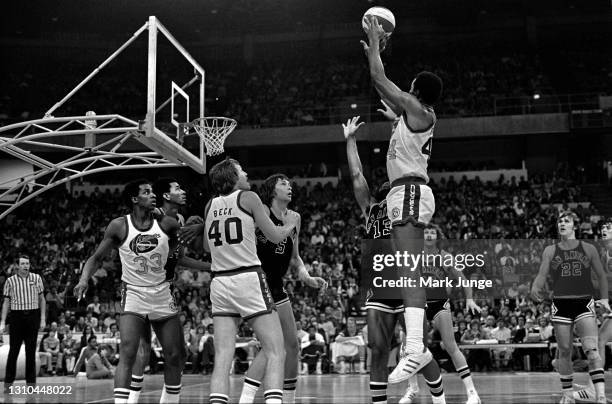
86 149
154 138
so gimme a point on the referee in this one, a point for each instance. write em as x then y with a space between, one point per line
24 292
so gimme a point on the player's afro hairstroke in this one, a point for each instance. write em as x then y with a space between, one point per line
429 87
132 190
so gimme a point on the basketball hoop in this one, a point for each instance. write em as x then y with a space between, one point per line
214 130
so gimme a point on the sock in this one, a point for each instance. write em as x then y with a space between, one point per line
249 389
567 382
435 387
273 396
466 376
378 391
170 394
413 383
135 389
289 387
216 398
414 333
597 376
121 395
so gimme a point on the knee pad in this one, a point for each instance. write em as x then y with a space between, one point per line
589 344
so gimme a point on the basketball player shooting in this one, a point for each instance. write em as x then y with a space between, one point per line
144 244
410 202
239 288
569 263
382 313
276 259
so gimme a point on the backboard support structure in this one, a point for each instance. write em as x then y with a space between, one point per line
99 143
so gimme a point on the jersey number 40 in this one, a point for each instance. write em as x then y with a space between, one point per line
214 233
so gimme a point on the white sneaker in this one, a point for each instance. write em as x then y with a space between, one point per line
585 394
409 365
473 398
567 399
439 400
409 397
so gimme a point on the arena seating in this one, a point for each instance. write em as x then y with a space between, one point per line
61 232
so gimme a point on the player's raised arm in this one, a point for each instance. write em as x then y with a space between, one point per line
540 280
251 203
297 263
115 232
592 253
401 100
360 185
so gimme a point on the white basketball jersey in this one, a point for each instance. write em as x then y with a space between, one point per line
143 255
409 151
230 232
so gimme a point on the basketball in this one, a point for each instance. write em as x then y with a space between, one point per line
385 18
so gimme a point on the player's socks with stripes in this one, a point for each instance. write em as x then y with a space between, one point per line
170 394
135 389
121 395
216 398
289 387
466 377
567 384
436 390
249 389
597 377
273 396
378 391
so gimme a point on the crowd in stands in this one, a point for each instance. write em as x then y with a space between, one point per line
60 231
305 91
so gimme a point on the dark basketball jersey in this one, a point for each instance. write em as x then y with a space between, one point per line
433 274
274 258
571 272
378 224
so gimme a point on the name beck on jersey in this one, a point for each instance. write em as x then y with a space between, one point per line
222 212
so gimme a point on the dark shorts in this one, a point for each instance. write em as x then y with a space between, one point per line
279 295
567 311
392 306
435 307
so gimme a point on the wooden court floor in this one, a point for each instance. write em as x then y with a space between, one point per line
494 388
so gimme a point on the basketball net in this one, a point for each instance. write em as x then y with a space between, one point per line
214 130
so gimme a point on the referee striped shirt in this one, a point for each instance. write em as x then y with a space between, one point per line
23 292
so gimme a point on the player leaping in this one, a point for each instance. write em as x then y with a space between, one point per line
569 263
144 244
276 259
410 203
382 313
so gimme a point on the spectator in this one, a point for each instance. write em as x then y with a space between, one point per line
69 349
87 334
349 348
502 334
313 349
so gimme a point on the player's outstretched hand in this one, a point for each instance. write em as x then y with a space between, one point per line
292 218
195 219
605 304
79 290
537 294
387 112
316 282
472 307
351 126
188 233
376 34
